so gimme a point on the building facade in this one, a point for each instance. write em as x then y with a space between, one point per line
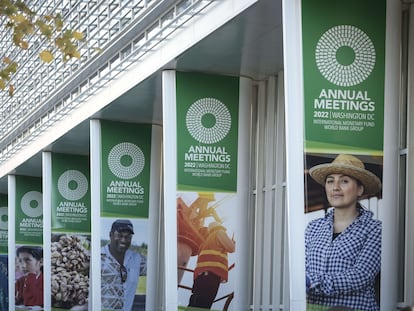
66 111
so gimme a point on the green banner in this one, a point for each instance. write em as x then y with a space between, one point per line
344 65
343 77
71 226
3 224
125 167
125 189
207 158
71 210
207 131
29 210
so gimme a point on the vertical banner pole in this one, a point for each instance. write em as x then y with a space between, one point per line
294 150
12 238
47 207
170 182
389 208
242 235
154 219
409 213
95 158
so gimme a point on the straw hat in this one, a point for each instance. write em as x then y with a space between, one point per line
351 166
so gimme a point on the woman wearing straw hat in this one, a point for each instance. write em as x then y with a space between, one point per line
343 249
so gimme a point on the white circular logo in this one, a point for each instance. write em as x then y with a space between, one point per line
72 185
32 204
208 120
345 55
126 160
3 218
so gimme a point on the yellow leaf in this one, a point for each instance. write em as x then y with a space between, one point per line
11 90
58 23
6 60
76 54
12 67
78 35
19 18
45 29
2 84
46 56
24 45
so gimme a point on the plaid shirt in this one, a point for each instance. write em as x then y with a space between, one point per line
342 272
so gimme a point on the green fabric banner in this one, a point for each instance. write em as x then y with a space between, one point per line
29 210
71 229
343 78
207 158
3 224
343 67
207 131
70 194
126 158
125 191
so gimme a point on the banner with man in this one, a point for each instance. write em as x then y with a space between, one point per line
125 210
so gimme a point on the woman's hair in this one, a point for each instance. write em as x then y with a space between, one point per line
35 251
360 206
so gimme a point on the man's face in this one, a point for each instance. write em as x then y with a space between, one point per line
120 241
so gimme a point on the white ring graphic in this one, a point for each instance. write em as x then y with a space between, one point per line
126 149
27 208
3 224
345 36
81 185
208 135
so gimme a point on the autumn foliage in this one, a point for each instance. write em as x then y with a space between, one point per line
24 23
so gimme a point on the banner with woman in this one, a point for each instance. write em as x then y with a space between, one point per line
343 68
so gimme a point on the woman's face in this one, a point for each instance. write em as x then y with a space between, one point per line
29 264
342 190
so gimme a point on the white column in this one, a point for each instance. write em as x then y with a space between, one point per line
154 219
292 48
409 231
240 301
170 185
11 195
47 225
389 210
95 159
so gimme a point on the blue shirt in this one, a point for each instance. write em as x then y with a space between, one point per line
342 271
